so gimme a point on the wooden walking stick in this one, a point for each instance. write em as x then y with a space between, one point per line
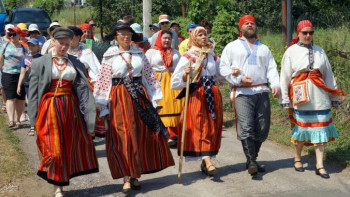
183 132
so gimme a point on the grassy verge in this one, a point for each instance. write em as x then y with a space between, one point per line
66 17
13 161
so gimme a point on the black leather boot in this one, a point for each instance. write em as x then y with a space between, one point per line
257 149
249 151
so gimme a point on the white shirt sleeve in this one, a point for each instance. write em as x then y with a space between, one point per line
225 69
177 82
286 77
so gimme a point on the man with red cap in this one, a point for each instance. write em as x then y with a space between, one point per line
249 66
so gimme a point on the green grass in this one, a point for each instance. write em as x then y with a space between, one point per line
13 161
66 17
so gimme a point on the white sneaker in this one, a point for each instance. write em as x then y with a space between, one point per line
57 191
23 117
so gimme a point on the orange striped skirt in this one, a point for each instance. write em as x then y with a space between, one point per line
203 134
64 145
132 148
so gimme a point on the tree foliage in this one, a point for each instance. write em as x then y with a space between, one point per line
50 7
225 29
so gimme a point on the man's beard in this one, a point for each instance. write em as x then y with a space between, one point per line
249 34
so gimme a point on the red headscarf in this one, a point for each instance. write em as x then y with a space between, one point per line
244 19
85 26
167 54
301 25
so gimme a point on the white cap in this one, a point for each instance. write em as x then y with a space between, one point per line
33 27
8 26
54 24
163 18
137 28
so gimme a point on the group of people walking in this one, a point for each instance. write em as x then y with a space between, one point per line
139 97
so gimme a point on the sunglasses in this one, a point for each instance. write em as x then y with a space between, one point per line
12 34
163 23
307 32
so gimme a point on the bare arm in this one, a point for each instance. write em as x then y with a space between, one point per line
1 60
20 81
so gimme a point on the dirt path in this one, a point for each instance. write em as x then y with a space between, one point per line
232 180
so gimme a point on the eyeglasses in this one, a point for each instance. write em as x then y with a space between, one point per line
163 23
125 34
12 34
307 32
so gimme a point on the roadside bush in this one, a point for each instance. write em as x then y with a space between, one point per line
225 29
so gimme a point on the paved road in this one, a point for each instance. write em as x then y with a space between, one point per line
232 180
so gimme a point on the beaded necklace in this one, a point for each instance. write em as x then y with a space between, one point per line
60 67
128 63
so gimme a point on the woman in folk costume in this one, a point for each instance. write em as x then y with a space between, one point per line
136 137
308 87
163 60
205 113
59 108
92 65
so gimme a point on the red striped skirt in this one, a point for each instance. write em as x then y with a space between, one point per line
132 148
203 134
64 145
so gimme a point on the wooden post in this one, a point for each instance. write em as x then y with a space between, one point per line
183 10
147 17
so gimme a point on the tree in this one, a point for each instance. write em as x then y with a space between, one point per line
225 29
50 7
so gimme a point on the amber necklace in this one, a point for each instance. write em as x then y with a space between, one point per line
60 67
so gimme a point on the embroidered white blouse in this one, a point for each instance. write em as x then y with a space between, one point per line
155 59
295 61
210 68
140 68
257 63
88 58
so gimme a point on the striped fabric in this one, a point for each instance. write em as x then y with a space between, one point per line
203 134
100 130
132 148
313 127
65 147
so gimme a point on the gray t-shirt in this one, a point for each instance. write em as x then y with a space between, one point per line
174 42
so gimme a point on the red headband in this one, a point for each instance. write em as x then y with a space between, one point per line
244 19
85 26
301 25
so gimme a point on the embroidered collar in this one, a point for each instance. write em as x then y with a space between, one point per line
305 45
252 54
114 50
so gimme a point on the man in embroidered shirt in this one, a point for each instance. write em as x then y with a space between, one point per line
256 67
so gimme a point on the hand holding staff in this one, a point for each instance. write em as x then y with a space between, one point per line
187 75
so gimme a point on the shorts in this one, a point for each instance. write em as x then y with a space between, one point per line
9 84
